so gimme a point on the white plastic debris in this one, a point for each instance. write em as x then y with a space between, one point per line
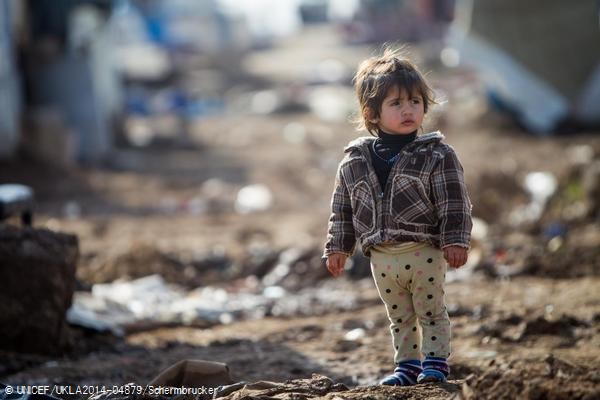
480 229
125 306
274 292
355 334
253 198
540 186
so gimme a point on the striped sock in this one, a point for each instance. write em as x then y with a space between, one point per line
435 369
405 374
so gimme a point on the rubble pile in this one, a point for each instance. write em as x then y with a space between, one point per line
551 378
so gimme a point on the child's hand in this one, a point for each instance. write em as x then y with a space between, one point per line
335 263
455 255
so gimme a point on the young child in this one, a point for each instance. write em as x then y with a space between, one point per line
403 196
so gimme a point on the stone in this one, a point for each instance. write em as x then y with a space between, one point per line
37 281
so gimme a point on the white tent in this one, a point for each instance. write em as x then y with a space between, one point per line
540 58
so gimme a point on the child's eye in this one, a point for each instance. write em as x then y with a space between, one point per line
416 101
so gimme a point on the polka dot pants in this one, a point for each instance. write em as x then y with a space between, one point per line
411 285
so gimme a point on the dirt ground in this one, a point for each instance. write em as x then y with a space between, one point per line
526 321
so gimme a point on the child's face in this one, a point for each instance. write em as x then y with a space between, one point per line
400 113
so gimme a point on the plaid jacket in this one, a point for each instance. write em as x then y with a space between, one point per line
425 198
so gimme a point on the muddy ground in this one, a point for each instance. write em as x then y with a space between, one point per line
526 318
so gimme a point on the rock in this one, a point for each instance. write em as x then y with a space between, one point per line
37 271
194 373
564 326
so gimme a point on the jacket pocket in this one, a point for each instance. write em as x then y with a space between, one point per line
409 203
363 207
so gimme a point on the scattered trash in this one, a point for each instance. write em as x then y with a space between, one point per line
480 229
540 186
355 334
127 306
253 198
554 229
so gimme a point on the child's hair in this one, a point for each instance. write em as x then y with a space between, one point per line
377 75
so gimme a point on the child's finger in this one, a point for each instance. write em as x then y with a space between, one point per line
453 259
448 257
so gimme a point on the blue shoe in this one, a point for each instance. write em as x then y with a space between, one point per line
435 369
405 374
431 375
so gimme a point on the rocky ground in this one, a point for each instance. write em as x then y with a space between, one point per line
525 314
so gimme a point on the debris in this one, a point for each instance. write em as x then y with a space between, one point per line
128 306
37 271
355 334
194 373
540 186
530 379
253 198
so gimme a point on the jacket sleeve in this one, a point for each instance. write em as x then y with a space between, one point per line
340 232
451 201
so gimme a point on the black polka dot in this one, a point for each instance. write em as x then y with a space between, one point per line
414 328
430 260
428 313
399 320
432 323
431 353
414 346
394 307
407 267
396 347
430 296
433 338
410 281
431 279
397 330
388 290
382 274
397 276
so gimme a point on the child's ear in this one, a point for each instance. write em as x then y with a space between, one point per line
370 116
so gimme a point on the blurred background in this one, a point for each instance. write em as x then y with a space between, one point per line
181 156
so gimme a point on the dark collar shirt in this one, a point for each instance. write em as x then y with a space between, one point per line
385 150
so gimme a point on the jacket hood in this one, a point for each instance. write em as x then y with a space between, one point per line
431 137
